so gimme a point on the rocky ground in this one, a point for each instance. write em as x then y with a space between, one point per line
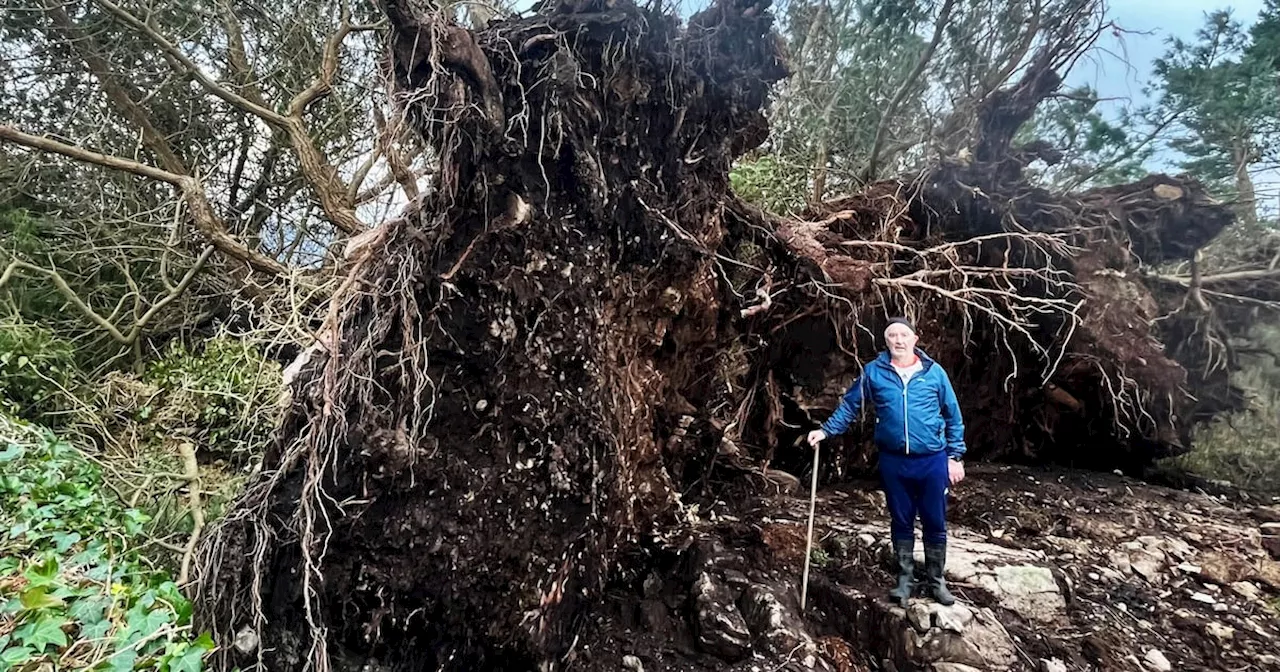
1054 570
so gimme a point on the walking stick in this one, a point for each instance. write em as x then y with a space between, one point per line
808 544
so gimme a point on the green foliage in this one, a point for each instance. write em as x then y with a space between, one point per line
1095 150
1242 447
1223 97
770 183
24 231
36 369
75 591
223 396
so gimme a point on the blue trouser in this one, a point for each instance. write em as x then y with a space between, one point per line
916 484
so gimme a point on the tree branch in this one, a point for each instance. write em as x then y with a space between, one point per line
314 165
202 213
116 91
207 82
70 294
882 128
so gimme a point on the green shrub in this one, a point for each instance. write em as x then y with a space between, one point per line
770 184
76 593
222 397
36 369
1242 448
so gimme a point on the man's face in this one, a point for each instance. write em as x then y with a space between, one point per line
901 340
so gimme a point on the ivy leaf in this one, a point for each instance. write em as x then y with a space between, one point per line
97 630
47 630
34 599
89 610
12 452
205 641
12 656
64 541
187 659
145 625
43 574
124 659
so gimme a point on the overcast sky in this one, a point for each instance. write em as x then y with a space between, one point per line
1123 64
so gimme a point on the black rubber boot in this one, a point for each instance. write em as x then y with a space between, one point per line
935 559
904 554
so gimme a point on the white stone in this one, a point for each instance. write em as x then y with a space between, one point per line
918 614
1027 589
1201 597
954 618
632 663
1220 631
1246 590
1156 661
1052 665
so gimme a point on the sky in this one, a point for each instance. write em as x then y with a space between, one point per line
1121 66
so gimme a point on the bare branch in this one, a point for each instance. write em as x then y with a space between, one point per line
70 294
882 129
202 213
116 91
190 66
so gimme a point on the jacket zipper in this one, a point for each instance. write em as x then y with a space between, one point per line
906 431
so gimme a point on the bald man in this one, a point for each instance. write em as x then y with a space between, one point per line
920 438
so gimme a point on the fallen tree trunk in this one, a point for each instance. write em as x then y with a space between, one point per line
580 336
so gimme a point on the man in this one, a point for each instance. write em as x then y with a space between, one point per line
920 437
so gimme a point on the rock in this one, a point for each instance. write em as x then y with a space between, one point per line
246 641
1266 514
1220 631
1203 598
1271 539
951 636
918 614
1147 565
954 667
1156 661
1120 560
867 539
1052 665
1027 589
632 663
722 632
954 618
1246 590
652 586
772 624
1188 568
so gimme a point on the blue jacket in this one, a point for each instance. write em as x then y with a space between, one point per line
921 417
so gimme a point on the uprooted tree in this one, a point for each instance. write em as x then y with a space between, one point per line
579 332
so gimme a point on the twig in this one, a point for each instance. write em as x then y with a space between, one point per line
191 473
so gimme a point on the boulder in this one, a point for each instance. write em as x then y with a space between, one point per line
722 631
924 636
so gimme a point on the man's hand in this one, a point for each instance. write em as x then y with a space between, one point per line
955 471
816 436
